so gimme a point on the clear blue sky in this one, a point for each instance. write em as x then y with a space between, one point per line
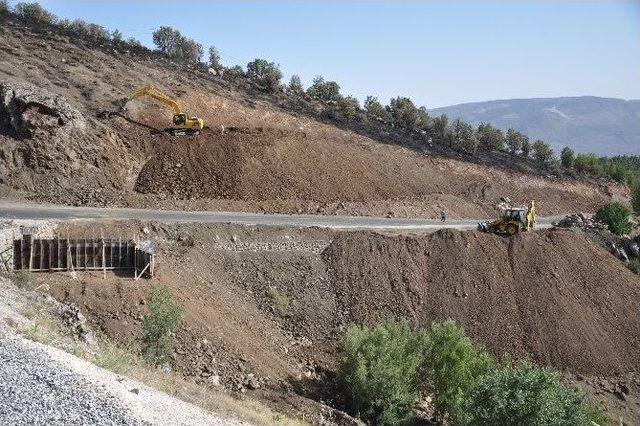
438 53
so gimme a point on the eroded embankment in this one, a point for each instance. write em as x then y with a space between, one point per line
553 296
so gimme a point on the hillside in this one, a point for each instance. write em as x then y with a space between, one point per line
605 126
276 155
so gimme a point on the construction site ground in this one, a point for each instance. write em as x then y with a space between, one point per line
267 159
266 307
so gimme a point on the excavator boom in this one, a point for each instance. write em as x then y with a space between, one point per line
184 124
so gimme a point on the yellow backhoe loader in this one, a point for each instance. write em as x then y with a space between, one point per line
513 221
182 123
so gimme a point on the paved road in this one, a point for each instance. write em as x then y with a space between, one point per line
14 210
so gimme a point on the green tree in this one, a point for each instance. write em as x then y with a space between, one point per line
489 137
526 148
441 128
404 113
190 50
525 395
167 40
4 10
587 163
266 74
324 90
164 316
542 152
378 372
376 110
567 157
295 84
635 199
450 367
616 216
464 137
116 36
515 141
34 11
214 58
348 107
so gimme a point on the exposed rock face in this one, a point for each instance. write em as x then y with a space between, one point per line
26 110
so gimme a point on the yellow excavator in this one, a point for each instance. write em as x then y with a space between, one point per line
513 221
183 125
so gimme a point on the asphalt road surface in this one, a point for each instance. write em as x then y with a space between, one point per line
16 210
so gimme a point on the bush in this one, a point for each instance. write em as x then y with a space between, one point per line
281 303
526 148
324 90
378 372
615 216
34 11
635 199
634 266
567 157
489 137
164 316
404 113
542 152
4 9
295 85
450 367
464 137
116 36
267 74
214 58
376 110
525 395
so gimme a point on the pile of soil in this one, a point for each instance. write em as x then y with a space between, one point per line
553 296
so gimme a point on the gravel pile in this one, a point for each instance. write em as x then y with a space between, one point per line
36 391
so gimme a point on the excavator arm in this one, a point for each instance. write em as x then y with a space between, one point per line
147 90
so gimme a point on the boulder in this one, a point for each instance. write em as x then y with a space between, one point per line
26 110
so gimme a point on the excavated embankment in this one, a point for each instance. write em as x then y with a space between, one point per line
552 296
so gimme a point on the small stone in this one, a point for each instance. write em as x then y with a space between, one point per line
135 390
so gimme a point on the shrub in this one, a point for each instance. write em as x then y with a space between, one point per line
166 40
542 152
214 58
634 266
116 36
265 73
526 148
23 279
281 303
525 395
34 11
567 157
295 84
489 137
404 113
514 140
441 128
615 216
164 316
378 372
324 90
4 9
635 199
464 137
587 163
374 109
451 364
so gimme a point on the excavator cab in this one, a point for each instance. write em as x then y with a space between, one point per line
183 125
513 221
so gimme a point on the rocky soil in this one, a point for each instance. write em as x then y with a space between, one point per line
265 308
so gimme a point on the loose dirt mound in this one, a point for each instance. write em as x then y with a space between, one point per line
553 296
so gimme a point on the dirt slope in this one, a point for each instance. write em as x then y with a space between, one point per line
283 162
553 296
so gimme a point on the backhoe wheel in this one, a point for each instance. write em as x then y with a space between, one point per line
512 229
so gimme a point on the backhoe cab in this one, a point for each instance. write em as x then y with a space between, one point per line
513 221
183 124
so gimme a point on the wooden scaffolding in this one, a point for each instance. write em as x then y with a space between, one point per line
84 254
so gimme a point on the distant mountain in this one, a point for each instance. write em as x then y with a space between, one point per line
605 126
